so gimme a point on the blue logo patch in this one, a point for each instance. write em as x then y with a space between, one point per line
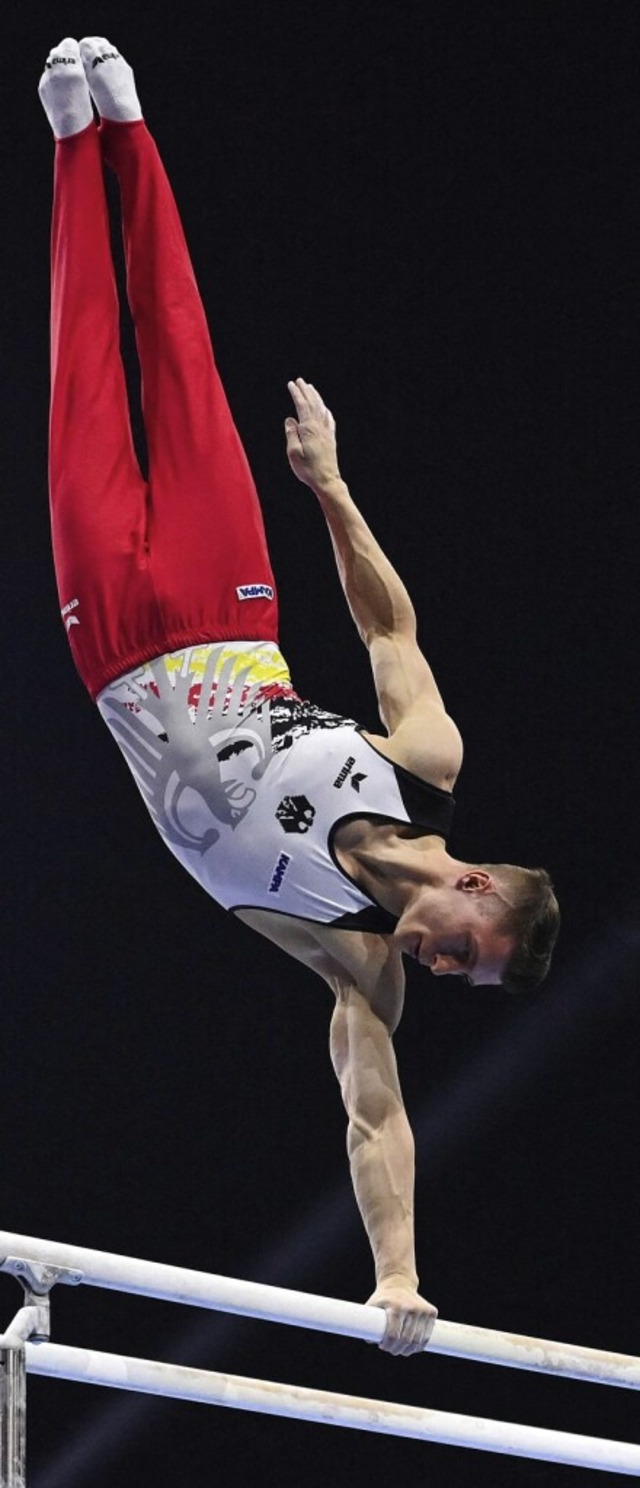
279 873
254 591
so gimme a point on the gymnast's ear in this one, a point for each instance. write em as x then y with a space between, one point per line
476 881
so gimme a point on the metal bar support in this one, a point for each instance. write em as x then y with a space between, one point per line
32 1321
13 1416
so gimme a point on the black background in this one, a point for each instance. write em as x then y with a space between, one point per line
429 210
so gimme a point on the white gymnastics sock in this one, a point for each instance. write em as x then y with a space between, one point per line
63 90
110 80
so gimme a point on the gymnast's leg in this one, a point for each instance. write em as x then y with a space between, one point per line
98 495
207 546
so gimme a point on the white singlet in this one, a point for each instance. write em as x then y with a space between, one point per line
248 784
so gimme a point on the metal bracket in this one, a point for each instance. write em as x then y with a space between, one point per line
37 1277
33 1322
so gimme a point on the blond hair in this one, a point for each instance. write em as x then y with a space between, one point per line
532 915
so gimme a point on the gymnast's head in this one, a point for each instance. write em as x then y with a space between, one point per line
527 909
492 923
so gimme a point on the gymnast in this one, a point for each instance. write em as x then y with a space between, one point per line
327 839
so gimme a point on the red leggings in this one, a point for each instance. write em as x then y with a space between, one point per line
142 567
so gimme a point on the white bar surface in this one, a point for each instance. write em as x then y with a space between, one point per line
324 1314
181 1383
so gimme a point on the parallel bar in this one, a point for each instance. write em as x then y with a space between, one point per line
324 1314
181 1383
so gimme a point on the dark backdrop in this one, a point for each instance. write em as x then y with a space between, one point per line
429 210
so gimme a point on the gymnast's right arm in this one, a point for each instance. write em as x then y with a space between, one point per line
381 1154
366 977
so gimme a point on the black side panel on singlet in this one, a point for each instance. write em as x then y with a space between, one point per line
426 805
429 808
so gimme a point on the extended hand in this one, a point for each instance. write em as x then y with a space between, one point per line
311 438
410 1319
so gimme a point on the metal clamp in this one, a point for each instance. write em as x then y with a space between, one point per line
37 1277
33 1322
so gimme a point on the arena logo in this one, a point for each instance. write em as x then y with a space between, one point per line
345 772
254 591
279 873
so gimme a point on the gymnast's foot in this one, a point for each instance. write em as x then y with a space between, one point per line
63 90
110 80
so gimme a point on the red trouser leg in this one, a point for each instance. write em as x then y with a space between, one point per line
206 535
146 569
98 496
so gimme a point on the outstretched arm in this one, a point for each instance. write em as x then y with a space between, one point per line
377 598
366 978
381 1154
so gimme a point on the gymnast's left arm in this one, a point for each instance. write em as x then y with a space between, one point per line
381 1154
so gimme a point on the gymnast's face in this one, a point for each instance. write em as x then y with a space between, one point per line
455 929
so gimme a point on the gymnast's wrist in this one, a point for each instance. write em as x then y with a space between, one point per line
332 492
406 1281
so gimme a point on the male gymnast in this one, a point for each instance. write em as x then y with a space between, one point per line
326 839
